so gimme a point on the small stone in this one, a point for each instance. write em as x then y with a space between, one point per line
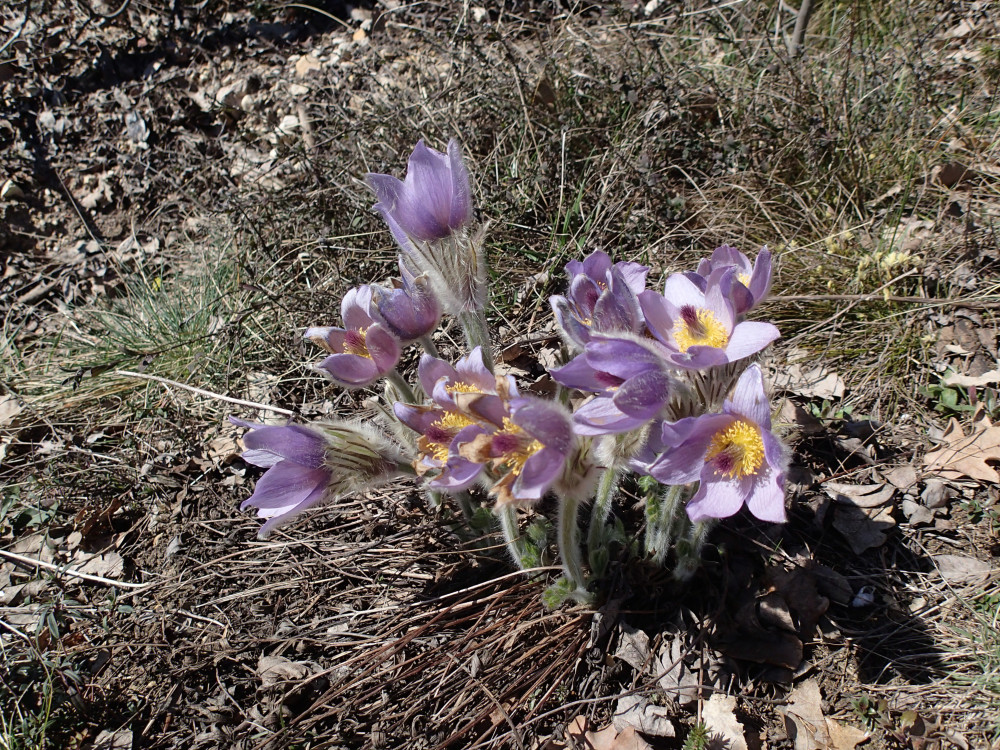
479 14
360 36
936 493
247 103
306 65
11 192
232 94
361 15
288 124
917 514
297 89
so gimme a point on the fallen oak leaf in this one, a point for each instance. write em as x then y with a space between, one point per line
860 495
609 738
966 455
637 712
720 717
810 729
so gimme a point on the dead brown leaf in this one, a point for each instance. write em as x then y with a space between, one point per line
863 528
966 455
962 568
637 712
609 738
860 495
810 729
720 717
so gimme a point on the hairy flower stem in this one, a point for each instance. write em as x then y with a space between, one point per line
507 514
477 333
689 549
662 521
597 541
401 386
464 502
569 544
428 344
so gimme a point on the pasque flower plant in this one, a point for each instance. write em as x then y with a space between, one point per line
664 385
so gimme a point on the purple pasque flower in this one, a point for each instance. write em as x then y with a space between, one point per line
700 328
529 450
748 286
361 352
602 298
631 378
410 309
429 213
734 455
467 401
310 465
433 201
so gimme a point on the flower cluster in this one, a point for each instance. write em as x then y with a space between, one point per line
664 385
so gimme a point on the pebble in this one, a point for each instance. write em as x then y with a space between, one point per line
11 192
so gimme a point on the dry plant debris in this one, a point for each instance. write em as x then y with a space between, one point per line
962 455
811 729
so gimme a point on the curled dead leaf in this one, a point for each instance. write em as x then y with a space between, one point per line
966 455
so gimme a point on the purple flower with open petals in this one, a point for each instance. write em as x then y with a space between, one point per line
631 377
409 310
701 328
310 465
602 298
530 450
361 352
750 283
467 401
734 455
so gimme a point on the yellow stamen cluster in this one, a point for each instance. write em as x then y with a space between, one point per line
516 459
462 388
706 331
743 278
450 422
742 448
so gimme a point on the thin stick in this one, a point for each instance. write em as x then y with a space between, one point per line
983 304
203 392
32 562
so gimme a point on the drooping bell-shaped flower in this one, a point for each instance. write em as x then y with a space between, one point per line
433 201
529 450
429 213
602 298
467 401
734 455
701 328
750 283
631 378
363 350
308 465
410 310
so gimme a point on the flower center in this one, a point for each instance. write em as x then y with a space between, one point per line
736 451
698 326
744 279
515 447
442 431
354 343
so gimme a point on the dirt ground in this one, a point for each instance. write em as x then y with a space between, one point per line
181 196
